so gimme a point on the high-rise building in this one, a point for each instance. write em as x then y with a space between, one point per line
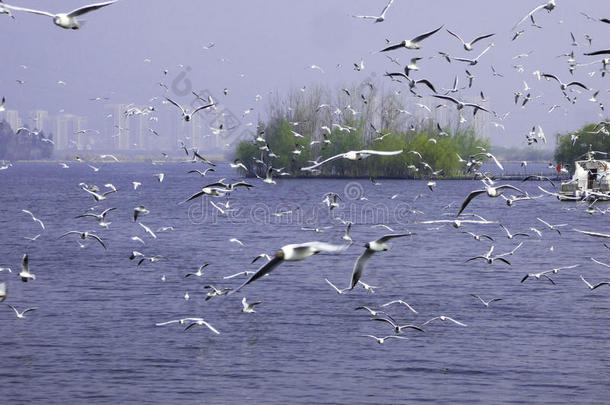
13 119
42 121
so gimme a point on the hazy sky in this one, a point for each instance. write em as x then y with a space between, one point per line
273 43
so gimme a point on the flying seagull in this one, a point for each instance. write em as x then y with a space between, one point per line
491 192
65 20
185 113
548 6
248 308
468 45
293 252
486 303
398 328
20 315
34 218
379 18
372 247
85 235
411 43
594 286
383 339
25 269
354 155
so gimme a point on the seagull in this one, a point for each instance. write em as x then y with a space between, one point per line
235 240
217 189
25 269
6 269
398 328
292 252
383 339
489 156
473 62
148 230
478 237
551 227
215 292
3 292
248 308
34 218
160 177
85 235
2 104
65 20
354 155
491 192
444 318
139 210
562 85
378 245
185 113
339 291
412 82
549 6
237 164
537 276
372 312
367 287
201 322
246 273
598 262
98 197
99 217
199 272
269 176
180 321
136 184
593 287
21 314
488 258
347 237
261 256
400 302
458 223
460 104
202 173
511 236
468 45
486 303
412 43
379 18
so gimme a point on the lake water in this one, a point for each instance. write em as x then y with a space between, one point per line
93 338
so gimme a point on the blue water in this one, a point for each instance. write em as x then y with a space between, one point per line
94 337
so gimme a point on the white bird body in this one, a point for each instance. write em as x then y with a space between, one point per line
25 270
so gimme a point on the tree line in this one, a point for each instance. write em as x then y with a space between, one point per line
317 124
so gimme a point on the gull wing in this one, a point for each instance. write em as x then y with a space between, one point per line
310 168
457 36
97 238
90 7
421 37
468 199
176 104
359 266
266 269
29 10
381 152
390 237
385 9
540 7
203 107
481 37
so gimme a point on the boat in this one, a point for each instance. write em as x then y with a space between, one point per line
591 179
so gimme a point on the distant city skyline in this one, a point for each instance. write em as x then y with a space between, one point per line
215 47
